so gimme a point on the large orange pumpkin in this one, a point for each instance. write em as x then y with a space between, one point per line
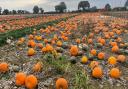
20 78
115 73
112 60
121 58
4 67
101 55
37 67
61 83
97 72
74 50
93 52
31 52
31 82
115 49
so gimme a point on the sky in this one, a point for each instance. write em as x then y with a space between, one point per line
48 5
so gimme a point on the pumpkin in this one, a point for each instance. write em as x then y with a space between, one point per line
19 42
97 72
38 38
31 82
84 59
93 52
94 64
121 58
102 41
31 52
20 78
74 50
46 40
101 55
22 39
113 43
112 60
115 73
44 49
49 48
37 67
31 43
78 41
59 43
90 41
115 49
39 45
61 83
4 67
30 37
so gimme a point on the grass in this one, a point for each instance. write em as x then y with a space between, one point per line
75 74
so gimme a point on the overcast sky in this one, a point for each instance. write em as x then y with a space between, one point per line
48 5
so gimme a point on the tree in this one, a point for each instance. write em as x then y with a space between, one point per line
36 10
93 9
107 7
13 11
126 5
41 10
61 7
84 5
6 12
0 10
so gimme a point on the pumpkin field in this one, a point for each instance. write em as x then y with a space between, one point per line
64 51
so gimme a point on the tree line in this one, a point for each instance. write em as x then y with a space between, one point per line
83 6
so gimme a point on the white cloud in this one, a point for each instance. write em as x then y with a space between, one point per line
16 4
48 5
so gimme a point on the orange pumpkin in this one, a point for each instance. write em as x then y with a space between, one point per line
90 41
115 73
39 45
102 41
115 49
101 55
121 58
78 41
44 49
93 52
31 43
112 60
74 50
37 67
94 64
20 78
97 72
31 52
30 37
49 48
31 82
61 83
59 43
4 67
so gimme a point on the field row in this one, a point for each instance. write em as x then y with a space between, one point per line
85 51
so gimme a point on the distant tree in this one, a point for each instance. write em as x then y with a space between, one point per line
93 9
61 7
126 5
41 10
84 5
36 10
6 12
107 7
14 12
0 10
57 8
19 11
26 12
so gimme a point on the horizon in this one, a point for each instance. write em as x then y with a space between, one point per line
48 5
